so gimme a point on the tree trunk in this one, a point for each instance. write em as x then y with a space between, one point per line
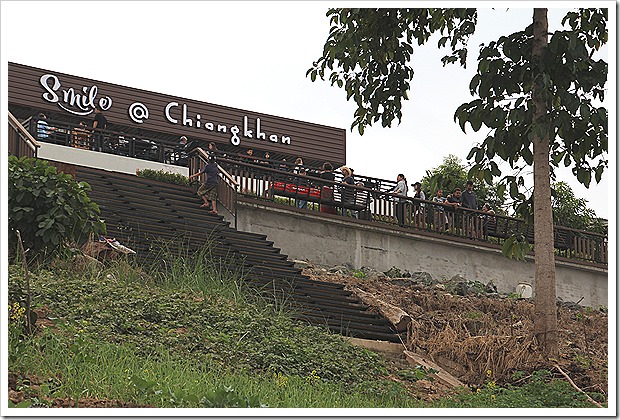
545 315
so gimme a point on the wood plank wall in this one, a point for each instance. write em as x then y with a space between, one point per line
308 140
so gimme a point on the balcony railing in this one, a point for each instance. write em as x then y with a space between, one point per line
276 181
312 193
21 142
105 141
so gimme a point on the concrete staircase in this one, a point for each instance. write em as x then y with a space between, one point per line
140 213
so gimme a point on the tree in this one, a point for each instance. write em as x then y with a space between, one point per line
451 174
48 208
536 96
571 211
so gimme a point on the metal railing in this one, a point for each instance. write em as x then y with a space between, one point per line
313 193
105 141
227 185
21 142
276 181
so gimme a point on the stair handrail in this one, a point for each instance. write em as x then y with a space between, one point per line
23 138
228 187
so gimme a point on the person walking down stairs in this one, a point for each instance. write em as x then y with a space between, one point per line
208 189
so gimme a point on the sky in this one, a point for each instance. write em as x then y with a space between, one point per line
254 56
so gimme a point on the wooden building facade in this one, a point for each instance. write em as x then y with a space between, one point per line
165 117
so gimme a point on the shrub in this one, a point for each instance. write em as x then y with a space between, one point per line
48 208
163 176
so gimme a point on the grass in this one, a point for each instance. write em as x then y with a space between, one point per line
185 339
193 335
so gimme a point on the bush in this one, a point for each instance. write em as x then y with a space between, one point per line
163 176
48 208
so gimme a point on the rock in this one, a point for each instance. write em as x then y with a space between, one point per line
423 277
393 273
339 269
401 281
348 266
491 288
301 264
462 287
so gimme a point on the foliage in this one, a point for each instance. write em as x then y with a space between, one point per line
369 51
418 372
572 82
47 207
217 331
516 246
452 173
163 176
542 390
572 212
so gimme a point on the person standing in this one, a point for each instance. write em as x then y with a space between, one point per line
401 191
80 136
440 219
43 129
347 194
468 197
100 123
208 189
468 201
302 182
182 151
327 190
419 207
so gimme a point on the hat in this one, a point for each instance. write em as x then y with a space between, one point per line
345 170
416 183
183 138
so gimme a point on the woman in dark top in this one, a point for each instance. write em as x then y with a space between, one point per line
327 191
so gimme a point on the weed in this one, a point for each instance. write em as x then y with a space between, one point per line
419 372
542 390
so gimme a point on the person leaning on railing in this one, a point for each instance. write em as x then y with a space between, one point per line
401 191
327 192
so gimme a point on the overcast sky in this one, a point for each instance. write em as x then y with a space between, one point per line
254 56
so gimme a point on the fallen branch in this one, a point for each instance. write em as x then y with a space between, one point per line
577 388
399 318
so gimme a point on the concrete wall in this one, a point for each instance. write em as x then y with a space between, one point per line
104 161
331 241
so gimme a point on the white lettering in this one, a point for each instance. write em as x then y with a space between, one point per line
235 130
105 103
246 132
186 121
50 96
84 99
259 135
234 139
167 112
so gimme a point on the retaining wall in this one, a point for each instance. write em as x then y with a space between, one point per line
334 241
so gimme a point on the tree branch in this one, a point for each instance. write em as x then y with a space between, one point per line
577 388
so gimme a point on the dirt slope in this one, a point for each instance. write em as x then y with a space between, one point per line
476 334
